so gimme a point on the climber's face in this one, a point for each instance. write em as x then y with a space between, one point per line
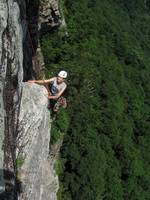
60 79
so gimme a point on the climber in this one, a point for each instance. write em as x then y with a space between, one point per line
55 87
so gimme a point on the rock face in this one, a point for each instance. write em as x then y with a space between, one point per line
24 119
11 75
49 14
36 173
42 17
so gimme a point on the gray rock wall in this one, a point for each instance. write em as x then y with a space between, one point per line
36 173
24 119
11 73
49 14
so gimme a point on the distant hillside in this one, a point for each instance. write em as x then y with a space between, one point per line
106 50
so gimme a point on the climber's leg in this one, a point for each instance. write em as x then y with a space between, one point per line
55 109
61 102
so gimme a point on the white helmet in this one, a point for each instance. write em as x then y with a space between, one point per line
62 74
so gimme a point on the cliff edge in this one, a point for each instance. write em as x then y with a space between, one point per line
36 174
24 118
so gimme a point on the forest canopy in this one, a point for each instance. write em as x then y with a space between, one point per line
105 48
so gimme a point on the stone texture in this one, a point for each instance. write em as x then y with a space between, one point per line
49 14
11 73
38 63
3 24
36 174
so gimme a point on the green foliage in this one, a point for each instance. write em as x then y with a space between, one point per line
19 161
105 153
58 167
59 126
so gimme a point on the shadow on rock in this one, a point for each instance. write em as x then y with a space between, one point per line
12 185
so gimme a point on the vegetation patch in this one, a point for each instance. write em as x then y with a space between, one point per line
105 153
19 161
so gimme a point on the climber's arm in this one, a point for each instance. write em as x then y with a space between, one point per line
42 81
58 95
